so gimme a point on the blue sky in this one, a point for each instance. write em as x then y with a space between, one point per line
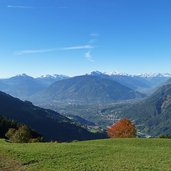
74 37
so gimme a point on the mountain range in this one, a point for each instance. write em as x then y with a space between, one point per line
85 89
145 83
24 86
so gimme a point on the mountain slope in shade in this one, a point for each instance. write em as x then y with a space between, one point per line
85 90
153 115
50 124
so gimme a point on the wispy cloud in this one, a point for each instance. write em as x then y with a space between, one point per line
19 6
34 7
33 51
95 35
93 38
92 41
78 47
88 56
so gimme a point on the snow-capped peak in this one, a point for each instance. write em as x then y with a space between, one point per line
148 75
145 75
97 73
109 73
119 73
53 76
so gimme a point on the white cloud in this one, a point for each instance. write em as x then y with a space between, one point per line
88 56
33 51
78 47
33 7
18 6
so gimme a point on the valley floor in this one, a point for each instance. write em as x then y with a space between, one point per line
98 155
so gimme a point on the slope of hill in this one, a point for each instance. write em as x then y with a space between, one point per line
100 155
85 90
50 124
153 115
80 120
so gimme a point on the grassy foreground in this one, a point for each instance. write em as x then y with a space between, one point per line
99 155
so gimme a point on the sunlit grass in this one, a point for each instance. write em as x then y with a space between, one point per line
99 155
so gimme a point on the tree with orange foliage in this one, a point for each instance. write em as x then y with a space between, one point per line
124 128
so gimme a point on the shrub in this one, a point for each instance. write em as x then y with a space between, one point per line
20 135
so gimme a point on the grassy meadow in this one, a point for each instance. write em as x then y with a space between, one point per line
98 155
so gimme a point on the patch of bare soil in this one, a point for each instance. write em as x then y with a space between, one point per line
7 164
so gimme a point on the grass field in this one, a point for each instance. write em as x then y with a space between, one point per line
99 155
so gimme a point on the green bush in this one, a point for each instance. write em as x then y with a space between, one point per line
21 135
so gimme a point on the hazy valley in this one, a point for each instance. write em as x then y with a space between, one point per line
96 100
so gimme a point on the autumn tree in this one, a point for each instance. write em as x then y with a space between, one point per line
124 128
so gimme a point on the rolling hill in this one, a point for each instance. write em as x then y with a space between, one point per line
48 123
85 90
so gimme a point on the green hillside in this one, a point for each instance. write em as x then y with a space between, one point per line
153 115
98 155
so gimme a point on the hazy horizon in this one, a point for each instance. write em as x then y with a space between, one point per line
103 72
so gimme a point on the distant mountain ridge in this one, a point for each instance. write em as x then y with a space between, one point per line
23 86
144 83
47 80
85 90
145 75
